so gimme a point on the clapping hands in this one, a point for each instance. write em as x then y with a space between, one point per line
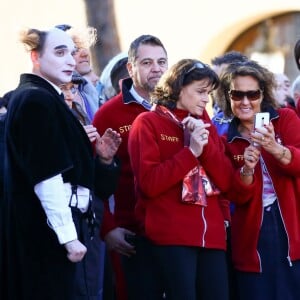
107 145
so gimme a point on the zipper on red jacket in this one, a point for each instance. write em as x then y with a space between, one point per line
261 221
205 227
259 260
287 236
262 215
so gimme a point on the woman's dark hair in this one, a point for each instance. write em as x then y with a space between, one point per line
183 73
264 77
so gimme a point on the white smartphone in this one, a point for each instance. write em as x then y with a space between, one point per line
261 119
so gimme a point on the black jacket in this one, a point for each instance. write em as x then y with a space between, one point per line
42 139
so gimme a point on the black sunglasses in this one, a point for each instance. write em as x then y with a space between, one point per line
236 95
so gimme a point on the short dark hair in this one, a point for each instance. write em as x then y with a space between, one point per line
77 79
297 53
63 27
229 57
181 74
143 40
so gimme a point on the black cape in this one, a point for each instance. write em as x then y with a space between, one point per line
42 139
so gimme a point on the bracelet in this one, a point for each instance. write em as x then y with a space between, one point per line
249 173
282 153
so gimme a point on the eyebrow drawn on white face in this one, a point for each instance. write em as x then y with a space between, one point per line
60 47
63 49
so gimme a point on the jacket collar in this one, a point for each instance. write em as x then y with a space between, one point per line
128 97
126 85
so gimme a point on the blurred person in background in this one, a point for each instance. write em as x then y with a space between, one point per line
297 53
295 92
282 91
219 63
115 70
88 96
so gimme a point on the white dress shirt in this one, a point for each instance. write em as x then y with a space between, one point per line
55 196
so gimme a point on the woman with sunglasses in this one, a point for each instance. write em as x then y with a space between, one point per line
266 221
174 152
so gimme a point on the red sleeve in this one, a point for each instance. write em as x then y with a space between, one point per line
287 130
146 151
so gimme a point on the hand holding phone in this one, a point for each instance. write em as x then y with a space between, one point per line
260 120
130 239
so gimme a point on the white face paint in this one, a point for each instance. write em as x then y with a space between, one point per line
56 62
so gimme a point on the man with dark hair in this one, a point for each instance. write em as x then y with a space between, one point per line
220 62
147 61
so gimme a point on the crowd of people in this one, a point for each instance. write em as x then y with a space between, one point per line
122 187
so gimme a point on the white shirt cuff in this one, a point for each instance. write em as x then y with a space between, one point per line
55 203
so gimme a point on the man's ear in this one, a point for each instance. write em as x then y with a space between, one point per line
129 68
35 58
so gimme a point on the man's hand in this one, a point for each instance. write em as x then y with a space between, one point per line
115 240
76 250
107 145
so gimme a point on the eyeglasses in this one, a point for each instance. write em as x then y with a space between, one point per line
72 89
197 65
236 95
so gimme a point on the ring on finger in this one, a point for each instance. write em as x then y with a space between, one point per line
262 138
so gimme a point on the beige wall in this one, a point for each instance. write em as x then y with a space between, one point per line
194 30
15 14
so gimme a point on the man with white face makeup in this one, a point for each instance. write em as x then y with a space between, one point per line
49 176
